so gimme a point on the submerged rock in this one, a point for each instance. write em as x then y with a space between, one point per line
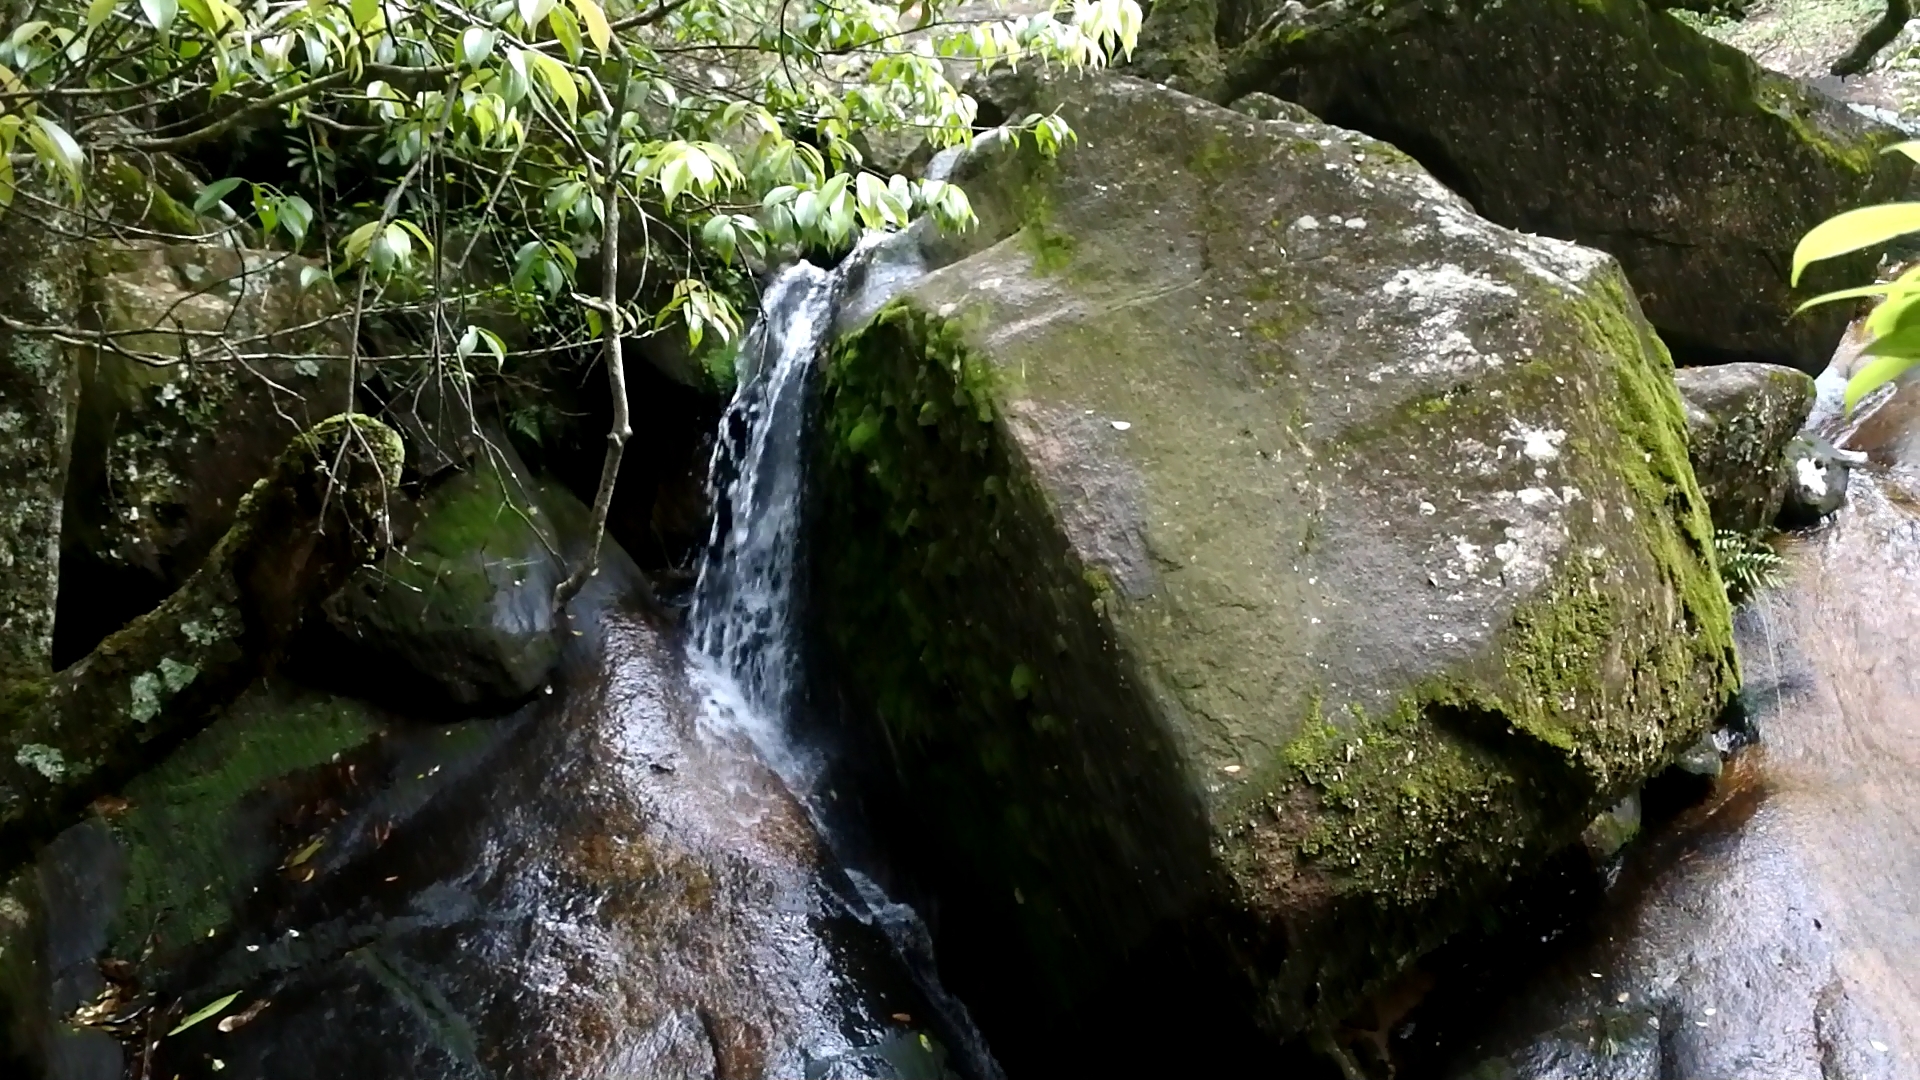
594 885
1617 126
1249 562
1740 420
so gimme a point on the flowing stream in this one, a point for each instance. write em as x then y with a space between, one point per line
746 612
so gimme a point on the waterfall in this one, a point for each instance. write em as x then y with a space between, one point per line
745 612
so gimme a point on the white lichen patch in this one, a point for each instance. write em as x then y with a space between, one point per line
1443 287
43 759
1538 444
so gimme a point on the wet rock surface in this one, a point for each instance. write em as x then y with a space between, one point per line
1204 526
593 885
1768 931
464 608
1740 420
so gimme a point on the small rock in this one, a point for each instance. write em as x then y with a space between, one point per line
1740 418
1817 481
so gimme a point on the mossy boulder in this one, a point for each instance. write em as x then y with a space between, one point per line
319 513
1249 564
1617 126
1740 420
222 354
465 605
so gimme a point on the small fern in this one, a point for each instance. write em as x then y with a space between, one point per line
1747 564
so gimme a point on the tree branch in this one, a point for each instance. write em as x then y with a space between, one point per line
1877 37
621 428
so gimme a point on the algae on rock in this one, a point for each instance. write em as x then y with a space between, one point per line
319 513
1618 126
1254 560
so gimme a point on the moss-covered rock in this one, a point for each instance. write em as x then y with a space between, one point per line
1740 420
220 356
466 604
1252 561
1618 127
319 513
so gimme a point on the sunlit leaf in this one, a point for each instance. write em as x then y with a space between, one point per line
1911 148
595 20
209 1011
215 192
98 10
1853 231
476 44
1874 374
159 13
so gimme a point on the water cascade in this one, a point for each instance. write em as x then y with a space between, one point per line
745 613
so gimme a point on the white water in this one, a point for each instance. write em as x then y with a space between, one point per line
745 615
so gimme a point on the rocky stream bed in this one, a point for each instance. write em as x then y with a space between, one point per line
1257 605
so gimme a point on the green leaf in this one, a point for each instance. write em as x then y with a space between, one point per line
215 192
364 12
1911 148
476 45
210 1010
532 11
1853 231
159 13
311 276
98 10
566 30
1878 372
595 19
1890 289
557 79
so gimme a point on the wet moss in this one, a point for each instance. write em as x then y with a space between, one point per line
195 848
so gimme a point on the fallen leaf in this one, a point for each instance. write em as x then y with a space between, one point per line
306 853
904 1018
212 1009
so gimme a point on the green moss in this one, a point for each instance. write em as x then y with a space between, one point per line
975 642
138 201
190 853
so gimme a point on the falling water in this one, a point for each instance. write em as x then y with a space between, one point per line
745 611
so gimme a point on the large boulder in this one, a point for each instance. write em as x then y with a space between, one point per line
1249 561
217 356
319 513
1740 420
1618 127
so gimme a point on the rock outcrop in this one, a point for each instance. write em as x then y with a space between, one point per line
465 605
1605 122
214 357
318 514
1250 560
590 885
1740 420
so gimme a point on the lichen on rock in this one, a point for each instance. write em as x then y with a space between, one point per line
319 513
1271 544
1618 127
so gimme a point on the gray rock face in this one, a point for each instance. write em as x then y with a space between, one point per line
1600 121
1760 934
39 286
222 356
466 603
1740 418
1251 558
